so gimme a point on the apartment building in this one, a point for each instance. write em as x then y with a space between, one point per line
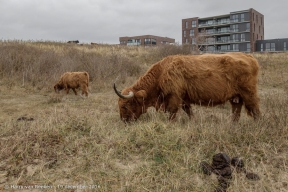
272 45
236 31
145 40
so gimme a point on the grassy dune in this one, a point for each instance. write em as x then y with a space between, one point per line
63 141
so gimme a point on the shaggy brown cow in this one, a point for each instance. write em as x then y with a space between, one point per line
73 80
207 80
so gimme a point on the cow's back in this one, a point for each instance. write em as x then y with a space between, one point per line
208 77
75 79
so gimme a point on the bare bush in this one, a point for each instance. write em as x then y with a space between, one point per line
40 65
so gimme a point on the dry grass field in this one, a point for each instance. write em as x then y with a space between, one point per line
66 142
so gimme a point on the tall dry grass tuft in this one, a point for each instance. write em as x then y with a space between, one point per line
65 140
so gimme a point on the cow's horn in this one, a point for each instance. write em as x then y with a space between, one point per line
130 95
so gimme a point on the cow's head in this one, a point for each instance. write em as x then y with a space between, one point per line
131 105
58 87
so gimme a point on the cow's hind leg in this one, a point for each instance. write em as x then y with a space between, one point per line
251 101
74 90
84 90
252 106
236 103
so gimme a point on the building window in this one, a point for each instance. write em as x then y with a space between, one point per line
211 48
186 24
225 47
267 46
247 26
234 18
192 32
261 20
242 17
235 47
223 39
153 41
210 22
134 42
210 31
242 37
256 18
210 40
193 23
261 47
235 37
248 47
224 30
186 41
147 41
272 47
184 33
284 46
223 21
235 28
193 41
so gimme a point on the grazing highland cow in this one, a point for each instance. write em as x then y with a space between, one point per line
207 80
73 80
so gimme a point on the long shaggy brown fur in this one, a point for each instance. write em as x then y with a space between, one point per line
73 80
208 80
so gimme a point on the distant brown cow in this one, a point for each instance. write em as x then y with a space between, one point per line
207 80
73 80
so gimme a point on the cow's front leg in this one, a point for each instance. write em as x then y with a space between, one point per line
187 107
173 103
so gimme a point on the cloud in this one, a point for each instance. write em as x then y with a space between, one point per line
105 21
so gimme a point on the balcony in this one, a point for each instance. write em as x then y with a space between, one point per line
224 42
133 44
215 32
215 23
209 33
221 51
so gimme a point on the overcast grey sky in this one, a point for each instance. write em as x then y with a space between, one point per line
104 21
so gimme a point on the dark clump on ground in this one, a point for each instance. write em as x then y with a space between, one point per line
223 167
25 119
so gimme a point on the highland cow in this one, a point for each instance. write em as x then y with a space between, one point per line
73 80
181 80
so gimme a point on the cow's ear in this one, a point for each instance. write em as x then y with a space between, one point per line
141 95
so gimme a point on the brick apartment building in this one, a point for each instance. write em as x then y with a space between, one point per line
236 31
145 40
